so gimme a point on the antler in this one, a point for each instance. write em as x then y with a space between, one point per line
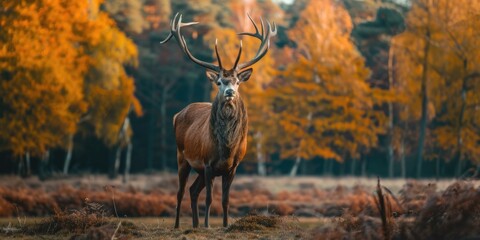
264 45
175 32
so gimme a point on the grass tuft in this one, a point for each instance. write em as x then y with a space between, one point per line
76 221
254 223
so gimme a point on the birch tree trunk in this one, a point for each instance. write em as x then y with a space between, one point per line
116 164
294 170
298 158
128 161
122 136
262 170
68 158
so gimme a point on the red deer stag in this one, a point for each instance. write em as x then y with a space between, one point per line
212 137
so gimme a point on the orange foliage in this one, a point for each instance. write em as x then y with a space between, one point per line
325 106
53 54
452 76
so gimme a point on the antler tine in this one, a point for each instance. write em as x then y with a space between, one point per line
264 37
172 29
263 26
238 55
218 55
256 34
175 31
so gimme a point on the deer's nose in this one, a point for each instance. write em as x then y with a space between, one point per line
229 92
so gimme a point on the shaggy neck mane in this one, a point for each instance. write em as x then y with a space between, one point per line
228 124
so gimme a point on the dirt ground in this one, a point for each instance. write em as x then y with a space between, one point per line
162 228
94 207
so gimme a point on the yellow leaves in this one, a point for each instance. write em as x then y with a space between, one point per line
43 93
326 107
451 31
47 47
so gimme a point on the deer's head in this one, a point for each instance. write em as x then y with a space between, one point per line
227 80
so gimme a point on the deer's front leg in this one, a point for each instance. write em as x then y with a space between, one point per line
209 186
195 190
226 183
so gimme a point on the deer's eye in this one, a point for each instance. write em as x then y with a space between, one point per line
219 83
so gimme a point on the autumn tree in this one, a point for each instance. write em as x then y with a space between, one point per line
324 105
127 14
108 89
61 67
458 130
374 40
42 70
439 51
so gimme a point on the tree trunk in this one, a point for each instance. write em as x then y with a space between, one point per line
364 167
128 161
353 167
298 159
116 163
424 94
294 170
403 159
391 162
458 153
42 166
390 156
122 138
28 164
21 168
262 170
68 158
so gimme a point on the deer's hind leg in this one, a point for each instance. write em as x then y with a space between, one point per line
183 172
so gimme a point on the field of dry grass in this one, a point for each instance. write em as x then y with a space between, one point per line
261 208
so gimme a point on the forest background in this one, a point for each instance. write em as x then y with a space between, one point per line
373 87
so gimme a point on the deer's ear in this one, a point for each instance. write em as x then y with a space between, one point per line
212 76
244 75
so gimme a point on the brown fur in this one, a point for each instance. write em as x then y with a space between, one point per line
212 134
212 139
